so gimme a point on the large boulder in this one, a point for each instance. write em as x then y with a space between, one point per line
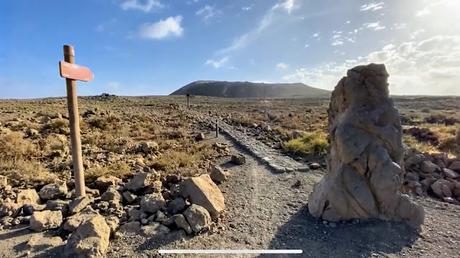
203 191
44 220
365 160
91 239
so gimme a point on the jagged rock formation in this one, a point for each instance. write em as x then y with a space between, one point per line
365 161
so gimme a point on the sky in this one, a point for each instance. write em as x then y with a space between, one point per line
153 47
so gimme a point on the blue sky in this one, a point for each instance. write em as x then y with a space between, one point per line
152 47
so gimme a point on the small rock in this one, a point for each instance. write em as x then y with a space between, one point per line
154 229
441 188
74 221
28 196
160 217
79 204
218 174
136 215
3 182
111 195
147 147
142 180
58 205
175 206
129 197
104 182
199 137
429 167
238 159
314 166
455 165
450 173
43 220
40 241
91 239
130 227
198 217
29 209
10 209
152 202
53 191
180 221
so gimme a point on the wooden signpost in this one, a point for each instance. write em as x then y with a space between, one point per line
73 72
188 101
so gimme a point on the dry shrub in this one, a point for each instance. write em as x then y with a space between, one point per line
311 143
119 169
13 146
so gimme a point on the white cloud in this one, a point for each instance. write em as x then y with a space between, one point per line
169 27
282 66
338 38
207 12
315 35
217 63
374 26
287 5
425 67
267 20
145 6
372 7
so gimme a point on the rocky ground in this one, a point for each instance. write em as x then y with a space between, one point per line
263 209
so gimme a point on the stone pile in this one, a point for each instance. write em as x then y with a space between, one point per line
432 174
148 204
366 157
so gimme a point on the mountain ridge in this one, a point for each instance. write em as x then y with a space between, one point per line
245 89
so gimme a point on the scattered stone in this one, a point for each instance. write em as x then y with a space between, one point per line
154 229
199 137
3 182
39 241
429 167
297 184
238 159
129 197
91 239
203 191
43 220
28 196
113 223
10 209
180 221
53 191
79 204
175 206
74 221
366 154
441 188
455 165
198 217
314 166
450 173
104 182
147 147
152 202
111 195
142 180
218 174
130 227
160 217
58 205
29 209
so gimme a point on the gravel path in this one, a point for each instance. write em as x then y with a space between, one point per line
267 210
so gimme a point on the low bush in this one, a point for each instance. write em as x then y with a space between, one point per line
310 143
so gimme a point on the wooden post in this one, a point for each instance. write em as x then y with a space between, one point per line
74 120
217 128
188 101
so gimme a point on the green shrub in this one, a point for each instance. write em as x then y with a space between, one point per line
311 143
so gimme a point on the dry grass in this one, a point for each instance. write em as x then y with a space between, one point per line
308 144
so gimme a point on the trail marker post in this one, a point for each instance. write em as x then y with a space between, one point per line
73 72
188 101
217 128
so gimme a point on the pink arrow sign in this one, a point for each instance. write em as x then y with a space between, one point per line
75 72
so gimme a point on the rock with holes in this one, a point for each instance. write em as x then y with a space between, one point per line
366 155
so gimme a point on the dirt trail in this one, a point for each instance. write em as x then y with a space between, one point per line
266 210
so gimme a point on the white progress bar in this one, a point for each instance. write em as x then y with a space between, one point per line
231 251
